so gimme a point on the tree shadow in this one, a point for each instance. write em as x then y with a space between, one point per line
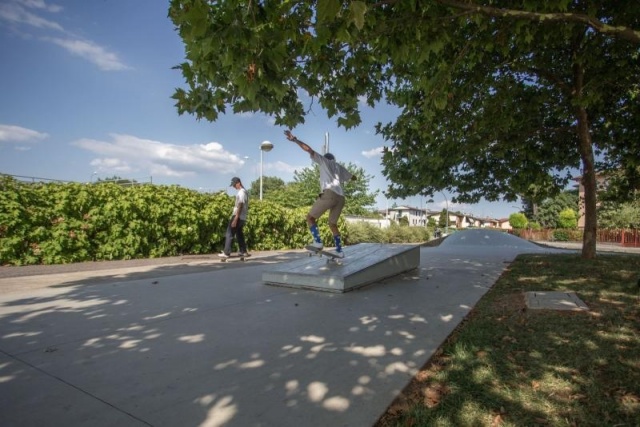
212 345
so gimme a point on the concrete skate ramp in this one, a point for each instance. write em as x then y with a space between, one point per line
363 264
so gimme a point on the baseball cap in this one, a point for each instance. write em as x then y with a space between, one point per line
234 181
329 156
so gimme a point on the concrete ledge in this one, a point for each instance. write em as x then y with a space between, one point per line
555 301
363 264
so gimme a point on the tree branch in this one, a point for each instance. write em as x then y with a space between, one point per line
621 32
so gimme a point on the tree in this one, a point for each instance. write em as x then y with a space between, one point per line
271 185
443 219
548 211
494 102
625 215
518 221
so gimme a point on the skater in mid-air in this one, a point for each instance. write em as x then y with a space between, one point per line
332 177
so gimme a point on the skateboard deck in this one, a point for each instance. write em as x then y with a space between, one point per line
315 251
234 258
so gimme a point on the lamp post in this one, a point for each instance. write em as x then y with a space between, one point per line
265 146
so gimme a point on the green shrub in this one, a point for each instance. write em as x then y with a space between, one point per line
364 232
400 234
567 218
535 226
57 223
518 221
561 236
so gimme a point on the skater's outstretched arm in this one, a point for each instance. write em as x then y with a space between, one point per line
302 145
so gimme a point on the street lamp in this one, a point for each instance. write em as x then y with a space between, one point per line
265 146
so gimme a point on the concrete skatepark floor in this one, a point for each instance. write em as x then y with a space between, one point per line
203 343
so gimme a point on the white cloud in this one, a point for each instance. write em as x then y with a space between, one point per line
105 60
376 152
29 14
40 4
10 133
111 165
282 167
15 12
158 158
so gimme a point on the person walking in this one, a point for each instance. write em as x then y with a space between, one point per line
237 221
331 198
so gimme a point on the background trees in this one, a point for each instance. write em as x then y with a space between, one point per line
305 187
548 211
494 102
443 219
271 185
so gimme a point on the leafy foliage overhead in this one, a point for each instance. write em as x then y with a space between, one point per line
496 100
486 92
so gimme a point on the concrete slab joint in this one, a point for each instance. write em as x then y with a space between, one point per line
363 264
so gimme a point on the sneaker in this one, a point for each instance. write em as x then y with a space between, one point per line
223 255
244 254
338 254
316 245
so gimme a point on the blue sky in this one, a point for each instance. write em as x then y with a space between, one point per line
86 94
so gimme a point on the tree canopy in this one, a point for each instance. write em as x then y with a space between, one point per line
270 185
495 102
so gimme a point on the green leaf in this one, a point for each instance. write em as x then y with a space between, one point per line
358 10
327 10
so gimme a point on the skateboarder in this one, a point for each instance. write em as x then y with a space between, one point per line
332 176
237 221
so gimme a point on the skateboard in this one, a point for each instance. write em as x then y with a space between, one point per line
234 257
331 257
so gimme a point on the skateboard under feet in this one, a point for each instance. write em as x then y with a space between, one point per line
234 257
331 257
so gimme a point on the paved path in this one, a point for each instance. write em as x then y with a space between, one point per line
195 342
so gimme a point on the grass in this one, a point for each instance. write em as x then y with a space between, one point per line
506 365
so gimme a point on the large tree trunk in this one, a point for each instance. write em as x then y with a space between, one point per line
589 181
590 186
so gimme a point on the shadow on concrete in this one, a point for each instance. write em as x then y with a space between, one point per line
212 345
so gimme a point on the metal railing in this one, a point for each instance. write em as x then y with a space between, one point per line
120 181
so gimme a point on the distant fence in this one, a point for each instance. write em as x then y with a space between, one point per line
622 237
33 179
121 181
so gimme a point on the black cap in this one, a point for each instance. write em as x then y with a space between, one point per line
329 156
234 181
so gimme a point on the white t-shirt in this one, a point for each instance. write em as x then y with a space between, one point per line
241 197
332 174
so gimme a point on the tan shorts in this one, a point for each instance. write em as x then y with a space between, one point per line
328 201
